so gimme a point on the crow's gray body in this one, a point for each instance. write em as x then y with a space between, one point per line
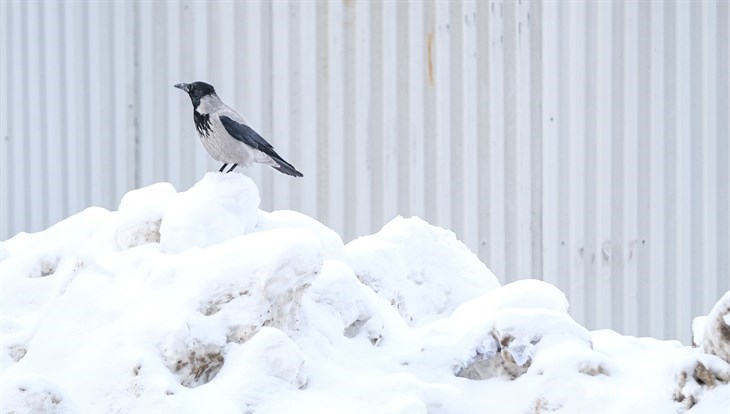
219 143
225 134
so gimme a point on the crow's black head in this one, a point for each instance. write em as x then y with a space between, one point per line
196 91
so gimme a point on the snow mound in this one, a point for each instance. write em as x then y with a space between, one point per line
716 337
520 327
217 208
698 330
287 219
226 300
708 367
31 395
697 375
350 308
140 214
405 260
199 302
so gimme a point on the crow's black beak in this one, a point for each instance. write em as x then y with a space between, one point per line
183 86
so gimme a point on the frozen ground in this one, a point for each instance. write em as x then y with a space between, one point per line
198 302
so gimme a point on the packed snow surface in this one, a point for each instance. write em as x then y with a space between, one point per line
199 302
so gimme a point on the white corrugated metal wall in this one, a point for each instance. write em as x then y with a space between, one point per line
584 143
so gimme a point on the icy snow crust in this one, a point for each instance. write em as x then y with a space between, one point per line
198 302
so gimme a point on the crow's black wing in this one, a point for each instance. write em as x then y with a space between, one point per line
248 136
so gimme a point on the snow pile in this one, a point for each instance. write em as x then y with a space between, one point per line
516 332
140 215
215 210
708 370
716 335
423 270
198 302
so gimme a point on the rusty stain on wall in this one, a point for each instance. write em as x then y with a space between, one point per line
429 57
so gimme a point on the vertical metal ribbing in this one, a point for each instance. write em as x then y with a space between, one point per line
723 146
483 186
643 26
456 130
535 20
323 93
581 143
511 156
670 154
590 254
5 145
430 134
404 108
375 133
696 138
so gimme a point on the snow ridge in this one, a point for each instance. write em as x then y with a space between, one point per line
199 302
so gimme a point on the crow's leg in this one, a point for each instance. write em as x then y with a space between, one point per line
232 168
223 167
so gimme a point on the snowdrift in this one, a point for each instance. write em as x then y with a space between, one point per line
199 302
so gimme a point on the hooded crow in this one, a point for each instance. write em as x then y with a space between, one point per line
226 135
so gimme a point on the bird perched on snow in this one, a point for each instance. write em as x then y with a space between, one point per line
226 135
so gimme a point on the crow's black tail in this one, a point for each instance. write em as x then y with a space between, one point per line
286 168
